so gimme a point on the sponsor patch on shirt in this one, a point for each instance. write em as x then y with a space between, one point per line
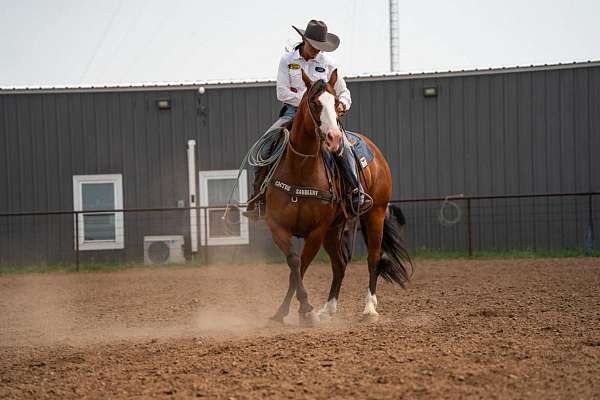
319 69
294 66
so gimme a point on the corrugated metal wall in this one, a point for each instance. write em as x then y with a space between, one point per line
48 138
497 134
484 134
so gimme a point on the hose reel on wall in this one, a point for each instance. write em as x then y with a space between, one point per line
450 213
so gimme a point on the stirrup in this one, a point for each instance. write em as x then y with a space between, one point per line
254 212
361 208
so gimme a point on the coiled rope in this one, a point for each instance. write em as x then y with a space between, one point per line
444 220
254 158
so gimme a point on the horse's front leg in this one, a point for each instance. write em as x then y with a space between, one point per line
284 308
312 244
333 245
283 240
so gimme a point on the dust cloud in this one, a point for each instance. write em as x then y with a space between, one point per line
87 308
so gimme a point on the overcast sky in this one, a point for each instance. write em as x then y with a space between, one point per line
83 42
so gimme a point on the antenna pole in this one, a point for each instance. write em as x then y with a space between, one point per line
394 37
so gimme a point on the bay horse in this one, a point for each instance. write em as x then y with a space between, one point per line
321 222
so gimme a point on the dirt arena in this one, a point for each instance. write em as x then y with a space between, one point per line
477 329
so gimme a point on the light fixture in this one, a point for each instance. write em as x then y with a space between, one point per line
163 104
430 91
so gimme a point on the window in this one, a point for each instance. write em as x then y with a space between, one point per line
99 230
215 188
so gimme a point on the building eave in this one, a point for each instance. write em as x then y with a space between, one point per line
228 84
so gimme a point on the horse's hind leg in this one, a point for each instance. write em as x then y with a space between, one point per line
372 225
339 261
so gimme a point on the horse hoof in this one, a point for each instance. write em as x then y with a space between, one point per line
324 316
309 319
370 317
276 319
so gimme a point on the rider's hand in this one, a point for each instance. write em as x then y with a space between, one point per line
341 109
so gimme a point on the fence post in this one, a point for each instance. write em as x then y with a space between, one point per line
205 227
77 241
589 240
468 220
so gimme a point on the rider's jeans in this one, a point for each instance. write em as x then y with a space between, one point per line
348 152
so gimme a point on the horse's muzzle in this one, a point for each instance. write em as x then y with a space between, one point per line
333 140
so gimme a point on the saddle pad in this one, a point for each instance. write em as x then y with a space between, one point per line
363 153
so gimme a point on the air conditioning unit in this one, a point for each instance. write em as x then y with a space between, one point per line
163 249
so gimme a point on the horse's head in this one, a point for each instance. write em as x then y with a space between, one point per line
322 104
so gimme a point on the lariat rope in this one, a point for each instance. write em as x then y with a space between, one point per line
254 158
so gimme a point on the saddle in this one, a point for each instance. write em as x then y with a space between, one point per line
362 152
363 155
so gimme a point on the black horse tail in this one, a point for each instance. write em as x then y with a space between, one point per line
395 264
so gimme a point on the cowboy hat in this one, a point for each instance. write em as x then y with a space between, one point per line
316 34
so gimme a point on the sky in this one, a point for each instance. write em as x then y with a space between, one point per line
90 42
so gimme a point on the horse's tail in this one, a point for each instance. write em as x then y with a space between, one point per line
395 264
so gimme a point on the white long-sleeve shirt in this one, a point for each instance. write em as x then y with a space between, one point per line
291 87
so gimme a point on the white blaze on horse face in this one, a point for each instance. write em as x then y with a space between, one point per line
371 304
329 124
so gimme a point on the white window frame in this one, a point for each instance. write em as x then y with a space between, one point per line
205 238
117 181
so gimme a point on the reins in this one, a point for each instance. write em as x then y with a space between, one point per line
253 157
316 88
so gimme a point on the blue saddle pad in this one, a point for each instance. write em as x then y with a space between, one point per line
363 153
361 149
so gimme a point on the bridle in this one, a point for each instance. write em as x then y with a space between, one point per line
316 88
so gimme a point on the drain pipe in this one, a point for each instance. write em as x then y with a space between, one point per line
191 155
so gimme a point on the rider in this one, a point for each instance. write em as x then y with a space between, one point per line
309 55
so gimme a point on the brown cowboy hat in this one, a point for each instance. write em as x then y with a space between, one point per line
316 34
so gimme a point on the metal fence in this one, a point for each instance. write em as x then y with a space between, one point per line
471 224
535 222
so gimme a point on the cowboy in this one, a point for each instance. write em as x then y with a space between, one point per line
309 56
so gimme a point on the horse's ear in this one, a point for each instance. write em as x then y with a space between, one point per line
306 80
333 78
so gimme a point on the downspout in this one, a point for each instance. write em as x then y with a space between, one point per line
191 154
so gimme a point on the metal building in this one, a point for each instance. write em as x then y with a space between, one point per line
484 132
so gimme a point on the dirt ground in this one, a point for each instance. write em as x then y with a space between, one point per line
477 329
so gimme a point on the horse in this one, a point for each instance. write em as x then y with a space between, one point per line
321 220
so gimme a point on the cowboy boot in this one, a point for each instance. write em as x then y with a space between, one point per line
358 202
253 210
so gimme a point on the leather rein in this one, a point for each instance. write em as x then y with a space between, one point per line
318 87
295 192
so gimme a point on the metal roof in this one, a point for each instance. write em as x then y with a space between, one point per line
215 84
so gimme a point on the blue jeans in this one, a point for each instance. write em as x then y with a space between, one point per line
351 160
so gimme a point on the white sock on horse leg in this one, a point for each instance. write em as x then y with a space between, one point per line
371 303
329 308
